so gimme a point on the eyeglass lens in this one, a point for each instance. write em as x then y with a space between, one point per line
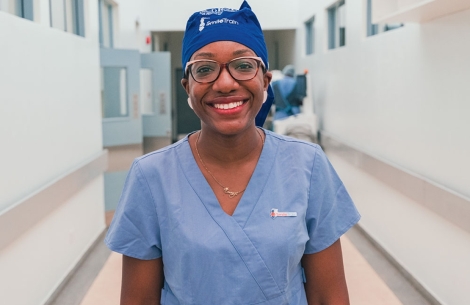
239 69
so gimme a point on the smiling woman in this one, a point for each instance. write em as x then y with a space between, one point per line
233 213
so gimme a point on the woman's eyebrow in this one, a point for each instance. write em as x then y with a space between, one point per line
204 54
242 52
212 55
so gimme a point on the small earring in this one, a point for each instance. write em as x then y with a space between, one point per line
265 96
190 103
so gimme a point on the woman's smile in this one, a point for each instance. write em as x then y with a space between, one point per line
228 106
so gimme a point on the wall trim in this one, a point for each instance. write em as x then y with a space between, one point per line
28 211
79 279
414 282
450 205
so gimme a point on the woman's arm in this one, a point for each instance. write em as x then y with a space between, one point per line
142 281
326 284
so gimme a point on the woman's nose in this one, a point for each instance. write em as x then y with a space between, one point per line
225 82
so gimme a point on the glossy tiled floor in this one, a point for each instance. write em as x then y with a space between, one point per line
364 284
106 287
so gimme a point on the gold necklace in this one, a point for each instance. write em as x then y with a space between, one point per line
226 189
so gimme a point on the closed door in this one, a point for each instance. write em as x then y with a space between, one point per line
120 87
156 94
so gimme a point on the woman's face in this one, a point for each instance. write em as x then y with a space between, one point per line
226 105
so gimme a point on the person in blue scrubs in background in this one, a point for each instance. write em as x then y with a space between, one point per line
232 213
284 108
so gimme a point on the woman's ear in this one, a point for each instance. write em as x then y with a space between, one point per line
267 79
185 83
190 103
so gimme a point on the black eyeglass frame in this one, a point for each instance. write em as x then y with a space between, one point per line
259 62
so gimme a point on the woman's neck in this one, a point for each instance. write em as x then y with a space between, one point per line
219 148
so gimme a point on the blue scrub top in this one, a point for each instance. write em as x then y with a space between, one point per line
167 209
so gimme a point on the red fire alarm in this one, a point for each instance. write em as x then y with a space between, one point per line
148 39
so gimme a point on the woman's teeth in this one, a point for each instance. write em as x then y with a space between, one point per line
228 106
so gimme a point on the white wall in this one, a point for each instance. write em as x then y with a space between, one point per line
172 15
49 105
35 264
402 97
128 35
160 16
424 244
50 122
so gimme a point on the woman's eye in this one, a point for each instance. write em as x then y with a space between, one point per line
203 69
245 65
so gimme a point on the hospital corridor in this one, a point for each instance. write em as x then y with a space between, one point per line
381 86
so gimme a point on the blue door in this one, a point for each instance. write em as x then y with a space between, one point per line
120 84
156 96
121 119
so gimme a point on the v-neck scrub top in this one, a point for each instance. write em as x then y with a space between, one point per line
167 209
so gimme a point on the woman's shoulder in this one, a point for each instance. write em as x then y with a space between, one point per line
293 143
290 150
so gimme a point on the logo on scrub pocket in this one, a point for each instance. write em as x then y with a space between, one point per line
275 213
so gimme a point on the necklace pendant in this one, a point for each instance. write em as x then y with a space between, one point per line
230 194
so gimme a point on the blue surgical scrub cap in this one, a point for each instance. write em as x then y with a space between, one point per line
217 24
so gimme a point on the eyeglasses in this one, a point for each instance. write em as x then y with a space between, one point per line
207 71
